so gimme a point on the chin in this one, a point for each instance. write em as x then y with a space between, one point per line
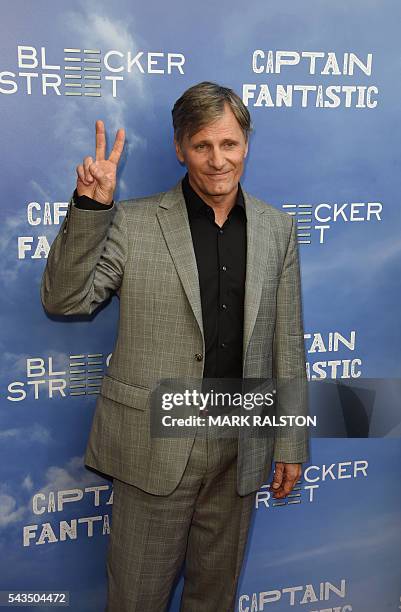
214 191
220 188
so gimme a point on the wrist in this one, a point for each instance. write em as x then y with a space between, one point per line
84 201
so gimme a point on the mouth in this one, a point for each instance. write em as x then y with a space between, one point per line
218 175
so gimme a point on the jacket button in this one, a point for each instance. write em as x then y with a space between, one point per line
198 356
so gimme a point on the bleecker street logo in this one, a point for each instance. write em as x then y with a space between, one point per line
82 376
315 220
83 72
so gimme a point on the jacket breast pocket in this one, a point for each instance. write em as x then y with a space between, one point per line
124 393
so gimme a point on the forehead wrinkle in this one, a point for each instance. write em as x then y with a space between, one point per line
209 134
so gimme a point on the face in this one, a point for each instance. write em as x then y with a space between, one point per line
214 156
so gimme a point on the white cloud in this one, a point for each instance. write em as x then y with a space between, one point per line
72 475
12 226
43 194
9 513
95 29
33 433
27 483
13 365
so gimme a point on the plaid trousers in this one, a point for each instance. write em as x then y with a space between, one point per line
202 524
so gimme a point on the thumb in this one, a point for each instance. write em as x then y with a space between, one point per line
278 476
95 171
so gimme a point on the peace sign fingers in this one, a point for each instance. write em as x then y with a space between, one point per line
100 141
118 146
97 179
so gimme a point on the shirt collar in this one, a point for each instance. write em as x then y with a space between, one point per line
195 204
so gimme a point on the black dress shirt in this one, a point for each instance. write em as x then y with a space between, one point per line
221 259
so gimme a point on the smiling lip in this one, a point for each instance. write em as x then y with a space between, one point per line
217 174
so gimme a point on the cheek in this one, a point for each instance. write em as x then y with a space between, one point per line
239 163
236 158
195 164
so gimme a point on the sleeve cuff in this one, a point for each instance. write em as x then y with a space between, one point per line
87 203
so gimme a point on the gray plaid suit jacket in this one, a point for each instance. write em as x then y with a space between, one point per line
142 250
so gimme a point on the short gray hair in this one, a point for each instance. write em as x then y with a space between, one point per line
202 104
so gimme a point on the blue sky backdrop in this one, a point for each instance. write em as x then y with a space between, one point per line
351 282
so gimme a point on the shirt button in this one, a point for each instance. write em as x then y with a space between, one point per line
223 345
224 268
198 356
221 231
224 306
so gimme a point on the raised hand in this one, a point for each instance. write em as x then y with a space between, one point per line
97 178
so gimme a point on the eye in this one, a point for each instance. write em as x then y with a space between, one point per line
200 146
230 145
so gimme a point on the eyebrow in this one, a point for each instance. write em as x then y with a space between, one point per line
205 141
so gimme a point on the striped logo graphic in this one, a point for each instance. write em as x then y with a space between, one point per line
82 72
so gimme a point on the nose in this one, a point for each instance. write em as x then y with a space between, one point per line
216 158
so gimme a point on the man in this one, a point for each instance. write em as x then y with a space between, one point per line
209 287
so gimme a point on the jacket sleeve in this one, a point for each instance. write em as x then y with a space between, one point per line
291 441
86 260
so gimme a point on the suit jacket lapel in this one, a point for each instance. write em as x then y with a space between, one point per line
258 242
173 219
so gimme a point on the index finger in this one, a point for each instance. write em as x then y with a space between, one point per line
100 141
289 482
118 146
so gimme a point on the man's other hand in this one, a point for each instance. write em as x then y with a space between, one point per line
285 477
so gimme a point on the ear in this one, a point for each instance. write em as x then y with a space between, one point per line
178 151
246 148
